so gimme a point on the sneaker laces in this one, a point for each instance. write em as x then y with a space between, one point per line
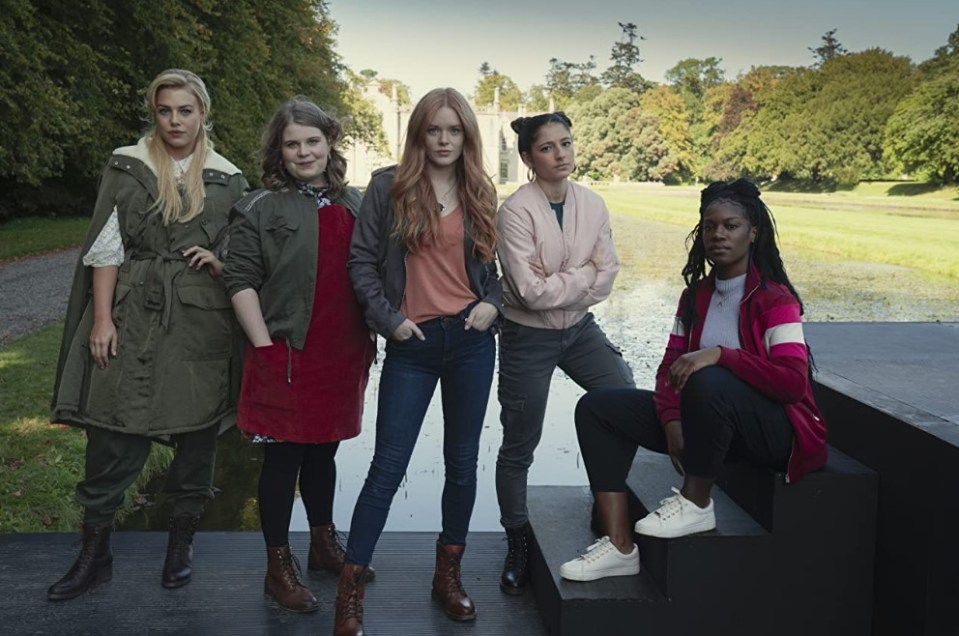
597 550
670 506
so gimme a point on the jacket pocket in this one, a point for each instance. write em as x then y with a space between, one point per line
204 322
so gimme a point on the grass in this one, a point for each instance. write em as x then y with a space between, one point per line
845 225
35 235
41 463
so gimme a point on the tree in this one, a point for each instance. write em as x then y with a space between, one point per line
616 139
510 96
829 49
828 124
691 77
565 79
945 59
71 90
625 57
402 90
537 99
670 110
923 132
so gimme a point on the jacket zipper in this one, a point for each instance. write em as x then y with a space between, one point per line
289 362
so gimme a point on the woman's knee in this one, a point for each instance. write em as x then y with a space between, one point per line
707 384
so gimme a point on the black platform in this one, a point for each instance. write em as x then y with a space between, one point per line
785 560
226 595
890 394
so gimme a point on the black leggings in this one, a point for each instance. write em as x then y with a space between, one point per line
283 462
722 418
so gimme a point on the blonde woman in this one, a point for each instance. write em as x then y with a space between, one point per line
148 344
422 265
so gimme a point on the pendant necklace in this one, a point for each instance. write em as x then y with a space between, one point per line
440 203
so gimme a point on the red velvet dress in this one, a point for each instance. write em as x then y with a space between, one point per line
315 395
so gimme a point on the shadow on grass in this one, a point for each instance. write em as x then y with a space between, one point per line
806 187
911 189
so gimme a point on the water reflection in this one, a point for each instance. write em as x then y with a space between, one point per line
637 317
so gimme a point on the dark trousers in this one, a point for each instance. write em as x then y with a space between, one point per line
314 465
723 418
462 362
114 461
527 358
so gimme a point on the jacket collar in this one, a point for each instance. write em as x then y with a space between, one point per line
140 152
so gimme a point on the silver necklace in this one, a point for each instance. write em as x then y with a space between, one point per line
441 202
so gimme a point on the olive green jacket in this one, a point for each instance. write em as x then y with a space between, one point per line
273 250
177 367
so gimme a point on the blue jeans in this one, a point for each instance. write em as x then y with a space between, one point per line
463 363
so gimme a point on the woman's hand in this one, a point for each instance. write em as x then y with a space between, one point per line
689 363
407 330
198 256
674 443
537 267
481 316
103 342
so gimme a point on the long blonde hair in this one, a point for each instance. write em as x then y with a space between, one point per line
169 202
414 201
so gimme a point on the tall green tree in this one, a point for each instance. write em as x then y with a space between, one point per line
616 139
625 58
828 124
565 79
510 96
922 134
72 89
829 48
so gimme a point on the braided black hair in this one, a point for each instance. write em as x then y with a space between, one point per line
527 127
763 252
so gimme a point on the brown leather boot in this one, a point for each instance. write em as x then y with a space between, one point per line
447 585
178 566
349 601
283 587
327 552
94 565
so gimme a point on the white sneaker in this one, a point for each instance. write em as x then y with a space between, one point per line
677 517
600 560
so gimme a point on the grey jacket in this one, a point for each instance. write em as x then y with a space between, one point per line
273 250
377 262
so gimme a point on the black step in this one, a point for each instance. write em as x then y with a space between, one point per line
824 535
689 567
559 516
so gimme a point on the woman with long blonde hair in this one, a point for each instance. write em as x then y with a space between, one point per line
148 346
422 266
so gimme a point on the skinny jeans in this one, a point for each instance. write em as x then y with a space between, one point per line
723 419
462 362
527 358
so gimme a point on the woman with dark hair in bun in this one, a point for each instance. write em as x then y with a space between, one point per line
734 383
558 260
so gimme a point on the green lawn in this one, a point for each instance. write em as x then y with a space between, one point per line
40 463
22 237
895 232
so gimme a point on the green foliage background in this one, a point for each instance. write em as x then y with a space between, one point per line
72 76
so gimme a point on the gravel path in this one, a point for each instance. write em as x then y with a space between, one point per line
34 292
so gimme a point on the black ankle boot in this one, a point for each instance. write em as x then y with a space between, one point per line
178 567
515 572
94 565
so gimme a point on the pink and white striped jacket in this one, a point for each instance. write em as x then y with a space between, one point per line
773 359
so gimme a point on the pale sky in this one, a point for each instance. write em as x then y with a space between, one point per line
428 43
